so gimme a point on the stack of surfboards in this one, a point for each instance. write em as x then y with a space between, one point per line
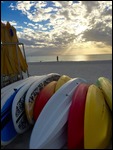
62 111
9 59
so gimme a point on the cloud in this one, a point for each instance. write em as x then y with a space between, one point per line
57 25
100 25
90 5
25 5
99 35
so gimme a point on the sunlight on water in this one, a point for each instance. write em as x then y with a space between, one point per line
69 58
74 58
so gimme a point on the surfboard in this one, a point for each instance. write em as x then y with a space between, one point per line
9 61
8 93
5 63
97 120
13 89
42 98
8 90
62 80
2 32
8 132
54 115
12 37
18 108
10 87
106 86
11 52
6 67
14 84
34 91
76 118
59 140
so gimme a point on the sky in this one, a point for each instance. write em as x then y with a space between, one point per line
61 27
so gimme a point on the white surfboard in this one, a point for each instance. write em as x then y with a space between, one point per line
54 115
34 90
59 140
12 85
10 91
18 108
9 87
8 132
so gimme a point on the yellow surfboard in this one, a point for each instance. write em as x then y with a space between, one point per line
8 58
2 32
106 86
13 38
6 68
9 53
62 80
97 120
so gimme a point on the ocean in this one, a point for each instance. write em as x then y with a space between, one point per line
93 57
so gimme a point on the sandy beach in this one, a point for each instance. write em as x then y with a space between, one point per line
89 70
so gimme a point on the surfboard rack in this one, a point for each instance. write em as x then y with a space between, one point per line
8 79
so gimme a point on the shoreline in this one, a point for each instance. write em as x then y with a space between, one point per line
78 57
92 61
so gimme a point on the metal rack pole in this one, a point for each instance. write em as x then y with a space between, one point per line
18 62
25 58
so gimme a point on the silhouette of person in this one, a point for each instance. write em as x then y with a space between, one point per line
57 58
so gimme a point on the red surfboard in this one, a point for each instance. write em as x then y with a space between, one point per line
76 118
42 98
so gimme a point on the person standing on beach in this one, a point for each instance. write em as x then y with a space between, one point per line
57 58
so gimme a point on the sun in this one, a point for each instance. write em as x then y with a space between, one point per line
80 29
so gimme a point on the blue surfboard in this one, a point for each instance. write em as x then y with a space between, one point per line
8 132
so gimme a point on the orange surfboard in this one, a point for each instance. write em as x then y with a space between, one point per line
41 99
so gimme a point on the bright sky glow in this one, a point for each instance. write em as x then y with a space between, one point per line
61 27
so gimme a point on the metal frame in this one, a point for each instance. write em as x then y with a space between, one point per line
3 83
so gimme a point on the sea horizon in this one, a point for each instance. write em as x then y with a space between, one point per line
53 58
